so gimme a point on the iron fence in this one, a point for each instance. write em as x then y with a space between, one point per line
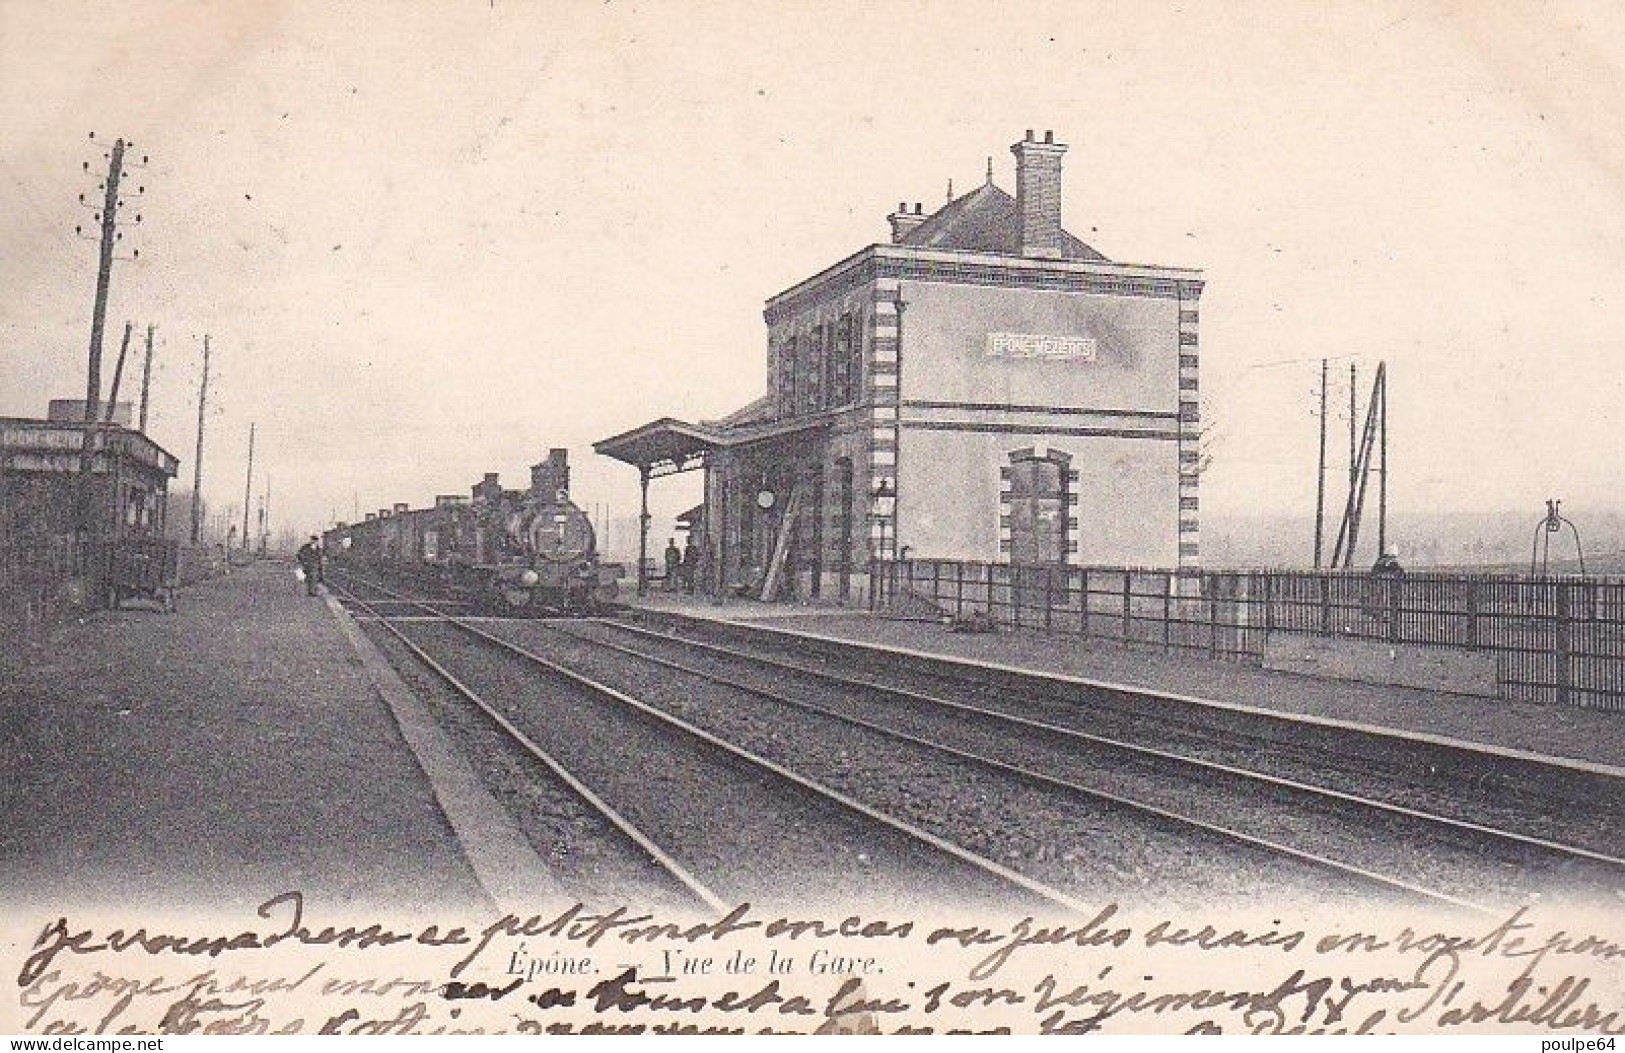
1553 639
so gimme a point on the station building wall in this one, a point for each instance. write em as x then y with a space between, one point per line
946 357
1126 513
1111 409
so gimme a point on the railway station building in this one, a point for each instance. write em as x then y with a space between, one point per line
984 386
42 490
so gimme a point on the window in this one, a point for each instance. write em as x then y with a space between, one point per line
854 369
789 372
809 371
833 363
847 372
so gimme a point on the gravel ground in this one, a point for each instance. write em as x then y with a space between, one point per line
1457 863
741 831
1088 847
1567 810
591 859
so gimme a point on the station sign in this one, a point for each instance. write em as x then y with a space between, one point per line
1042 346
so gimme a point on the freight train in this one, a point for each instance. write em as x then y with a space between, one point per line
509 551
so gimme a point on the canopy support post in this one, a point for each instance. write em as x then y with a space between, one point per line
643 530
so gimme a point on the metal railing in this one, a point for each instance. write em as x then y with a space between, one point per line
1554 639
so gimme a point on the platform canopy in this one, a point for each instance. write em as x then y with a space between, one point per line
661 447
667 446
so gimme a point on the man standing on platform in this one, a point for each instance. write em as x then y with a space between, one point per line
674 564
691 563
310 562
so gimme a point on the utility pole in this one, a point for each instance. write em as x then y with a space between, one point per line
197 460
1348 532
118 374
1320 472
1382 461
248 485
98 320
1354 411
146 381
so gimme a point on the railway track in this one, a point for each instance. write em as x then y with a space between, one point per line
721 821
610 823
1444 858
1544 857
1360 841
1572 813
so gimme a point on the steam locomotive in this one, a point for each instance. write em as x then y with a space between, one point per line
508 551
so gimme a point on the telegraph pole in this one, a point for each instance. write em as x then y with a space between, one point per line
98 320
1320 472
1354 411
1382 461
146 381
248 485
118 374
197 460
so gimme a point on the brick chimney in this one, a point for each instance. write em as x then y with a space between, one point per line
902 221
487 489
1038 195
550 480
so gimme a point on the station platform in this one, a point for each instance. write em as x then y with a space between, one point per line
212 758
1587 739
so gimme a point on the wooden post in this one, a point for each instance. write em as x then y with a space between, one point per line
1167 611
146 382
1472 612
118 374
98 321
1564 642
1083 613
1209 592
197 460
1128 617
1395 586
643 530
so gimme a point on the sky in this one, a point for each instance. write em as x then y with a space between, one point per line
434 239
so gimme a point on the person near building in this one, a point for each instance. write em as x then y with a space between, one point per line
1383 592
691 563
674 563
310 562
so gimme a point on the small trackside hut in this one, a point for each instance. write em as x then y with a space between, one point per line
985 386
88 537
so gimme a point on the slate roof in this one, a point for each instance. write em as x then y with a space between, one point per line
984 220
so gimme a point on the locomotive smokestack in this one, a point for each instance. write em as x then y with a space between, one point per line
550 480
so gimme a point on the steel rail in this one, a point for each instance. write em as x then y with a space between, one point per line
1273 848
1091 738
627 828
977 862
